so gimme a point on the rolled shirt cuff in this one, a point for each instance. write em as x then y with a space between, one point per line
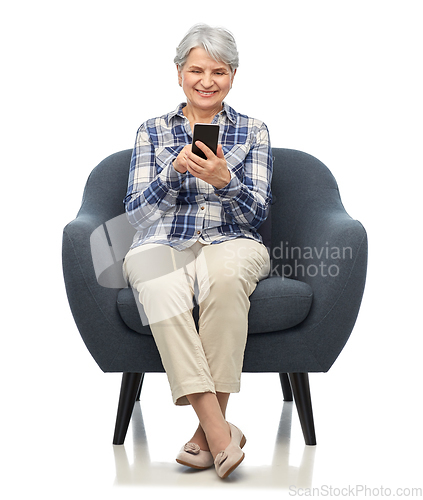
171 178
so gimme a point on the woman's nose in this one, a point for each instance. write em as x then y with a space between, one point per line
207 81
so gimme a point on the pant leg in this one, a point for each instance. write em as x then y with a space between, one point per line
233 270
164 279
163 269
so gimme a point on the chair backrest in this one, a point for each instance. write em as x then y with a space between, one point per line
106 187
297 178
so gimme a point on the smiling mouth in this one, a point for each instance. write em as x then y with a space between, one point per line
206 94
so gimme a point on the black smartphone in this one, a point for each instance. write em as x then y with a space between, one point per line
207 133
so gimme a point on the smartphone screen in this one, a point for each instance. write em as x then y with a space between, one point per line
207 133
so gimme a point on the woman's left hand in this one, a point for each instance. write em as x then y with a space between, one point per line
214 170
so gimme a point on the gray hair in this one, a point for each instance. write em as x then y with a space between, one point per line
219 43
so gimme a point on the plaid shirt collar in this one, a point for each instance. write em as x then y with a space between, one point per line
227 110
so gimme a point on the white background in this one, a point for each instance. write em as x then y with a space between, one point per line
340 80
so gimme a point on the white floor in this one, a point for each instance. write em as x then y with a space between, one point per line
58 437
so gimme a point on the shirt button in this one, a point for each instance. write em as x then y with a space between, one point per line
202 208
198 232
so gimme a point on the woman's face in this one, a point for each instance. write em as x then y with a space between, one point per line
205 82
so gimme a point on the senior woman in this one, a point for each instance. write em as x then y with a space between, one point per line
197 239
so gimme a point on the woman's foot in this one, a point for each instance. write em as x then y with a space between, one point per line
216 435
191 456
200 438
196 452
229 458
218 438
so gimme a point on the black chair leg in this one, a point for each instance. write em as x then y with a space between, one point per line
128 393
301 389
286 387
140 387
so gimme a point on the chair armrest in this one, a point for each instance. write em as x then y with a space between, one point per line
323 250
328 250
93 306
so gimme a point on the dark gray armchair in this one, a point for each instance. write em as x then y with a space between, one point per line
300 318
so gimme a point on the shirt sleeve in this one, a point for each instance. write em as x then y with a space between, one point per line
152 190
247 201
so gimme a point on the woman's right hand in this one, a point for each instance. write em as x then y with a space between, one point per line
180 162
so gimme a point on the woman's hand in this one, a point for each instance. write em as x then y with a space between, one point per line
214 170
180 162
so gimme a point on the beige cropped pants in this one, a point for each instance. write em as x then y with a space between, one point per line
221 277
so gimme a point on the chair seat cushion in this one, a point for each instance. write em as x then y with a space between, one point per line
276 304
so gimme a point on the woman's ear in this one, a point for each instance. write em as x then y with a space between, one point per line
233 75
179 75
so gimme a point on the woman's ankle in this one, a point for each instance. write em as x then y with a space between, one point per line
218 439
199 438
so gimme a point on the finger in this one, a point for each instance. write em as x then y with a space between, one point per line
219 152
182 159
193 172
197 160
205 149
193 165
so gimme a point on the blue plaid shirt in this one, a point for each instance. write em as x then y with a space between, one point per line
178 209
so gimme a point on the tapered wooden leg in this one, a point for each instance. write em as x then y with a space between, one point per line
286 387
301 390
128 393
